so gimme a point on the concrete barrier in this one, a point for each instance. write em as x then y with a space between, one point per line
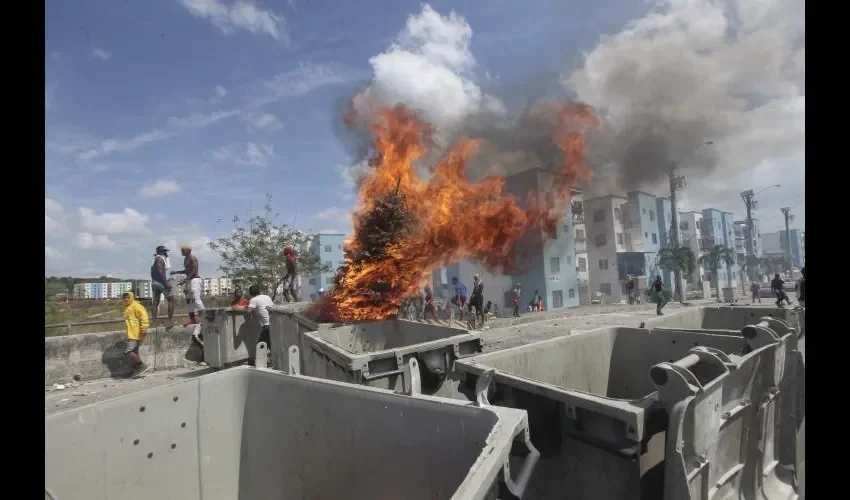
100 355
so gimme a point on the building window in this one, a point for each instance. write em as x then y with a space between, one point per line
569 260
329 280
339 247
605 288
654 239
601 240
579 235
599 216
554 265
652 215
646 235
329 264
684 225
557 299
582 264
619 238
312 281
616 213
571 293
328 248
628 239
644 211
603 264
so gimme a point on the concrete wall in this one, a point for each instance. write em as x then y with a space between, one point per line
101 355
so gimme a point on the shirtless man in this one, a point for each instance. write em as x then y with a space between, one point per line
195 287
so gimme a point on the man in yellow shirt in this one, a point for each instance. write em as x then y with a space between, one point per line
136 320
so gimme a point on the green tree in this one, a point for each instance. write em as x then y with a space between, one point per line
679 258
773 265
712 258
253 252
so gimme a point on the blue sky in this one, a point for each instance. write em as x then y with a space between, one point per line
164 119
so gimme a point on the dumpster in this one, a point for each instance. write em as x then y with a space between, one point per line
726 318
230 337
606 430
375 353
285 329
254 434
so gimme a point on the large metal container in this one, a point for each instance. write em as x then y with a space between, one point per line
258 434
230 337
375 353
727 318
634 413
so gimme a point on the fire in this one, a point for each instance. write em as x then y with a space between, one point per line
452 218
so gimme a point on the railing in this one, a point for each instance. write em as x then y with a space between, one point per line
93 325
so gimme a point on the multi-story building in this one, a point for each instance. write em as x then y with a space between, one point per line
82 291
328 247
580 243
690 234
776 243
101 291
624 236
549 267
717 229
143 289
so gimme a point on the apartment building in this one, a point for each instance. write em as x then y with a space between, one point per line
624 235
101 291
143 290
690 235
580 244
777 243
718 229
329 249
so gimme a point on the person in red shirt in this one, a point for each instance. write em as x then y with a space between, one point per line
238 299
290 281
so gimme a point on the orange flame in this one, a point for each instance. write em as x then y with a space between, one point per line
456 219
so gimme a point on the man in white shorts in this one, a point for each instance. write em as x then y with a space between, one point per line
194 286
259 305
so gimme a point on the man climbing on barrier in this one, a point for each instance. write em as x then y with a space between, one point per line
160 285
194 286
137 325
259 305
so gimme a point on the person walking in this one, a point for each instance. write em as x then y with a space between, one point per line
630 290
160 286
778 288
476 301
755 290
429 304
259 305
660 295
137 325
192 283
801 288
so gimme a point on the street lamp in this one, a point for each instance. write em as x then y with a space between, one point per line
677 183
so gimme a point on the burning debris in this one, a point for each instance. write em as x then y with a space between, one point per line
406 225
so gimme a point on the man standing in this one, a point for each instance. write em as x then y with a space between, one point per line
136 322
630 289
515 297
429 304
194 286
160 285
476 301
801 288
660 295
755 290
291 278
460 294
259 304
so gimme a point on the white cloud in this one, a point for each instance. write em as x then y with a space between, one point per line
101 54
159 188
248 154
242 15
429 68
110 146
54 217
334 220
128 221
220 92
736 69
52 207
262 121
88 241
53 255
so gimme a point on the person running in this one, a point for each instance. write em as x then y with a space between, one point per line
193 285
290 279
460 294
515 298
755 290
778 288
476 301
660 295
801 288
429 304
259 304
137 325
160 286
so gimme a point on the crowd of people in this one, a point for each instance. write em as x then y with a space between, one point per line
137 322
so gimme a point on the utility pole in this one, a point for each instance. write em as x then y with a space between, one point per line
677 182
751 204
786 211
